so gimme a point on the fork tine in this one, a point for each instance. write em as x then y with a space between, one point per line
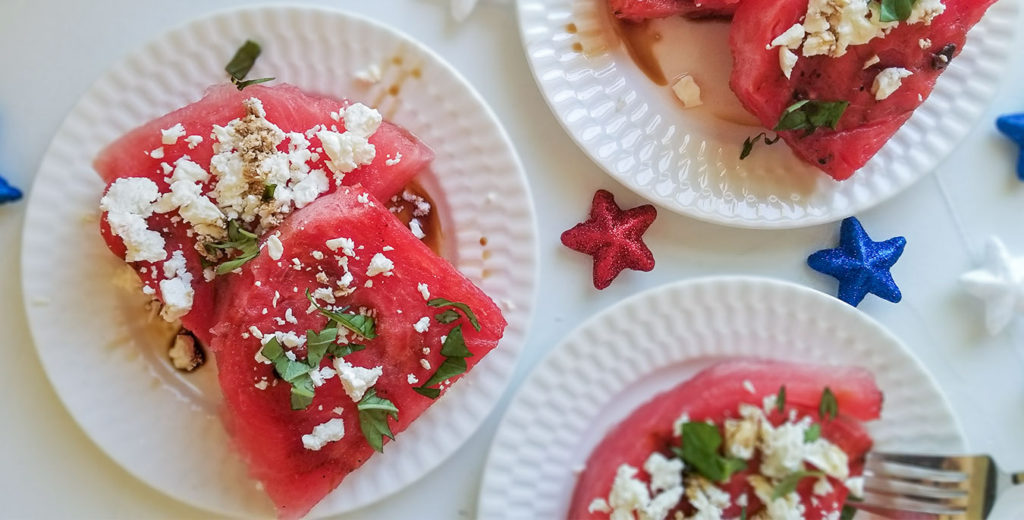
880 466
874 500
902 487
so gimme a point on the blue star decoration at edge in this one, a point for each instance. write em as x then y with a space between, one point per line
1012 126
860 264
8 193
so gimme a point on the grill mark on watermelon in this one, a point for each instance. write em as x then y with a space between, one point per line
867 124
715 394
263 427
290 109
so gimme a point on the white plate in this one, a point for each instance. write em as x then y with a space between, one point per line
108 365
622 357
688 160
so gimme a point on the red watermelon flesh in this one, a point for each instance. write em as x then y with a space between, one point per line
867 124
640 10
264 428
715 395
290 109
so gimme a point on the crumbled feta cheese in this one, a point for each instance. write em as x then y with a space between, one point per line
822 486
397 159
290 355
787 60
422 208
350 150
855 485
274 247
425 364
262 384
128 203
788 507
412 379
828 457
424 290
599 505
171 135
924 43
925 11
791 38
782 449
309 188
255 332
193 141
176 291
157 153
330 431
417 228
379 264
323 293
748 386
741 435
356 380
871 61
665 473
887 81
628 493
289 317
422 325
346 245
832 26
687 91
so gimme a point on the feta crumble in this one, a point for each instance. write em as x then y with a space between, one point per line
346 245
274 247
356 380
176 290
424 290
417 229
422 325
128 203
379 264
171 135
888 81
322 434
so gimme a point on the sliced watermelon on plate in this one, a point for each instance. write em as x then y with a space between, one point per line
715 395
922 49
640 10
400 156
270 296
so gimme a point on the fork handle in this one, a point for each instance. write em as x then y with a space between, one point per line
1017 478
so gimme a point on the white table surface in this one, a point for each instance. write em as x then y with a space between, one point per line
53 49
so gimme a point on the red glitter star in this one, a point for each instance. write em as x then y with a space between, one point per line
613 237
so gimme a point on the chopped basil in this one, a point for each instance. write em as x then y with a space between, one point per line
268 192
441 302
813 433
780 399
358 323
447 316
848 512
701 442
455 352
319 343
895 10
743 513
241 63
373 419
240 240
748 143
828 407
344 350
811 115
788 484
303 391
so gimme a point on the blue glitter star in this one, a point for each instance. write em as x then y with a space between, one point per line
1012 126
861 265
8 193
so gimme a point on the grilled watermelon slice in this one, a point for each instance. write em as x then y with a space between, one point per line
265 430
640 10
715 395
290 109
867 123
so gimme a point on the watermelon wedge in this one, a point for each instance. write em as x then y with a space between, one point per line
922 49
142 153
640 10
333 246
715 395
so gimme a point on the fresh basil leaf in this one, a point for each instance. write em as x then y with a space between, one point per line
828 406
811 115
272 350
291 370
743 513
239 239
788 484
269 189
432 393
447 316
813 433
302 392
701 442
450 368
748 143
441 302
848 512
242 62
895 10
340 351
362 325
780 399
318 344
455 345
373 419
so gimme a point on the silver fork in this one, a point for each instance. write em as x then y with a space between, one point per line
934 487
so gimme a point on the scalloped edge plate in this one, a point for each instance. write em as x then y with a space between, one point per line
687 161
650 342
106 362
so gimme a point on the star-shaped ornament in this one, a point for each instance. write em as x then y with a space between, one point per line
999 284
8 193
613 237
1012 126
860 264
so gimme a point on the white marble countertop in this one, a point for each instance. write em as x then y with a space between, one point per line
54 49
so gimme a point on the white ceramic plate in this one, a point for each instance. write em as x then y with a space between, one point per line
107 362
625 355
688 160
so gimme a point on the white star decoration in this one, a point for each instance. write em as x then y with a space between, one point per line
999 284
